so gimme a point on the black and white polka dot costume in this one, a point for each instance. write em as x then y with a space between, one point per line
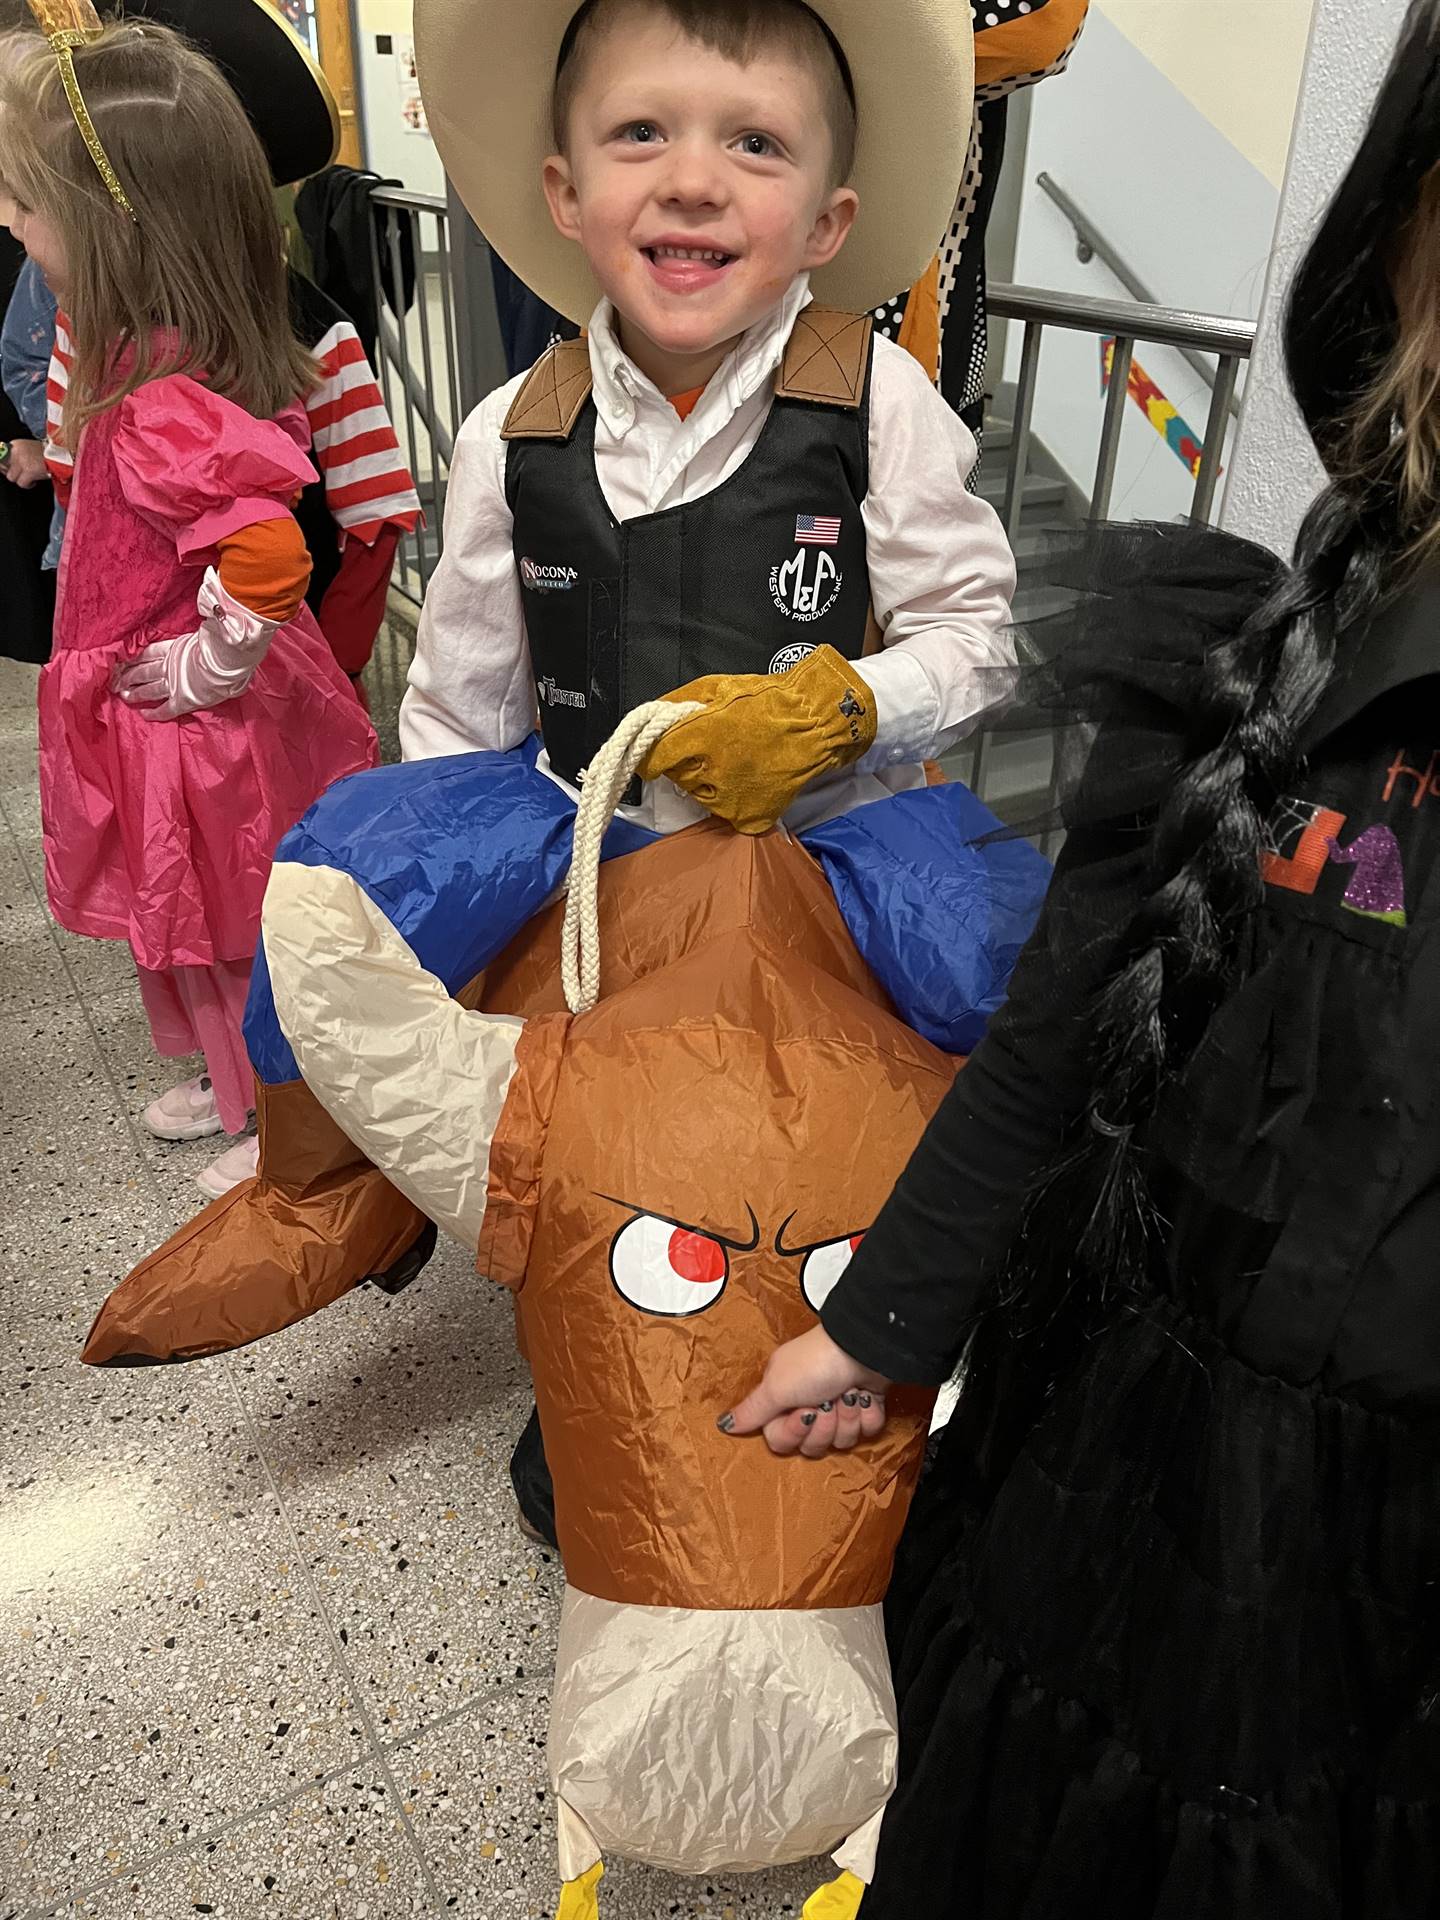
964 333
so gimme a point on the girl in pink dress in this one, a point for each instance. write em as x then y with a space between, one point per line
191 711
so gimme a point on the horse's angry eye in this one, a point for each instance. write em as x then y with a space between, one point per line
824 1266
668 1270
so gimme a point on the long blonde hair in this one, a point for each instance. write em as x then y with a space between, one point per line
196 282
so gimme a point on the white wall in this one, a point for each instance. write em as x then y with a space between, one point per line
1238 61
390 146
1192 216
1276 474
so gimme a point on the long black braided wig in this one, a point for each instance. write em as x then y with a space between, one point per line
1251 687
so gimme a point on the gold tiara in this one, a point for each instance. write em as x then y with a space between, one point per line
68 24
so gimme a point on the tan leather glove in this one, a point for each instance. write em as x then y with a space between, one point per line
764 737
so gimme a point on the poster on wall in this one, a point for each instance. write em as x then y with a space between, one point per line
412 107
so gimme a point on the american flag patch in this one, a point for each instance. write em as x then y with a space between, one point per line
812 530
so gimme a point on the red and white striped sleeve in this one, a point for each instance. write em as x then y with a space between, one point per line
58 457
367 484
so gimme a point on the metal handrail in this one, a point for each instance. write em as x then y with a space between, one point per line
403 198
1231 341
1166 326
1091 244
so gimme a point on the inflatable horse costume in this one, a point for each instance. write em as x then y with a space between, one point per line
666 1139
671 1181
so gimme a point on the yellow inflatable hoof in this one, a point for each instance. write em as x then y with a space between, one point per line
839 1901
580 1899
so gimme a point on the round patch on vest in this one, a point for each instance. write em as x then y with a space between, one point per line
807 587
791 656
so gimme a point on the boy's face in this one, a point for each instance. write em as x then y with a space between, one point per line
699 188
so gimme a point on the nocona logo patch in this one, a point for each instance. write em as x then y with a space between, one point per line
544 579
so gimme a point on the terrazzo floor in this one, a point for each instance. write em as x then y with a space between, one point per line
270 1641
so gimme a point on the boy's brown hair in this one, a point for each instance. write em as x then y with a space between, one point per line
196 282
737 29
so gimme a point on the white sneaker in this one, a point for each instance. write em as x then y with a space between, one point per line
185 1113
236 1165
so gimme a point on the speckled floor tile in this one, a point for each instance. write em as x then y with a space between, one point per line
478 1795
17 687
57 1266
163 1667
30 974
60 1123
20 779
389 1425
76 1207
142 1075
479 1800
338 1853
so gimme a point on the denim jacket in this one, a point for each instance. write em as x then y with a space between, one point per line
27 340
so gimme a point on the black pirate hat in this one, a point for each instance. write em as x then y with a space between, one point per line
277 78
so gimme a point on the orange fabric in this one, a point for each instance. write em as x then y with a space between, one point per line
266 567
686 403
1027 44
722 957
517 1153
274 1250
920 329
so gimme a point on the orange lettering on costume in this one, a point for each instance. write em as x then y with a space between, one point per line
1300 871
1425 783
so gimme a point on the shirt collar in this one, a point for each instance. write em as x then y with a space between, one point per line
621 388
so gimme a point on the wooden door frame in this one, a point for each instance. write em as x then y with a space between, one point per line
336 30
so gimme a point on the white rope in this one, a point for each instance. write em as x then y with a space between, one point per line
605 781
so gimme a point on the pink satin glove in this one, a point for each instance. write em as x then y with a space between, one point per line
197 670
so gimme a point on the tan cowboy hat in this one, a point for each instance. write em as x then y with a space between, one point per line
487 70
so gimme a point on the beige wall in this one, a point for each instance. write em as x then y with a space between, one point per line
386 16
1238 61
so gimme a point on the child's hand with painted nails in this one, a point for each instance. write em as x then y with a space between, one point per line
813 1399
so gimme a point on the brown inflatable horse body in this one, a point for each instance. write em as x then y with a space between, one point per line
671 1183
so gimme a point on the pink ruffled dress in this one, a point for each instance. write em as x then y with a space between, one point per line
162 833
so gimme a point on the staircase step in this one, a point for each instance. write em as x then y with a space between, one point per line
1040 492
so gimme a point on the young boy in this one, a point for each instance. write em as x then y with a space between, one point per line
672 518
727 490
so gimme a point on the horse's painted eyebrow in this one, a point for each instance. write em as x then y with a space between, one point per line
731 1242
795 1253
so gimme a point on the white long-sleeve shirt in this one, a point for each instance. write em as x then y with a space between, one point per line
941 570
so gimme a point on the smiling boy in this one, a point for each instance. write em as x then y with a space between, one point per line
728 488
724 479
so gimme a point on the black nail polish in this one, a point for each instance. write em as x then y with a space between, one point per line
827 1406
865 1400
726 1423
852 1399
807 1419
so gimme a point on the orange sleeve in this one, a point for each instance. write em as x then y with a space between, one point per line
266 567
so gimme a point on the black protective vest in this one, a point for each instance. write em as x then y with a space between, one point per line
748 579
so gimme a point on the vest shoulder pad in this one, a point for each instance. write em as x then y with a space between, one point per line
553 396
828 358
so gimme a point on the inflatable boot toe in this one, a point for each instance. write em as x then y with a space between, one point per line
316 1221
